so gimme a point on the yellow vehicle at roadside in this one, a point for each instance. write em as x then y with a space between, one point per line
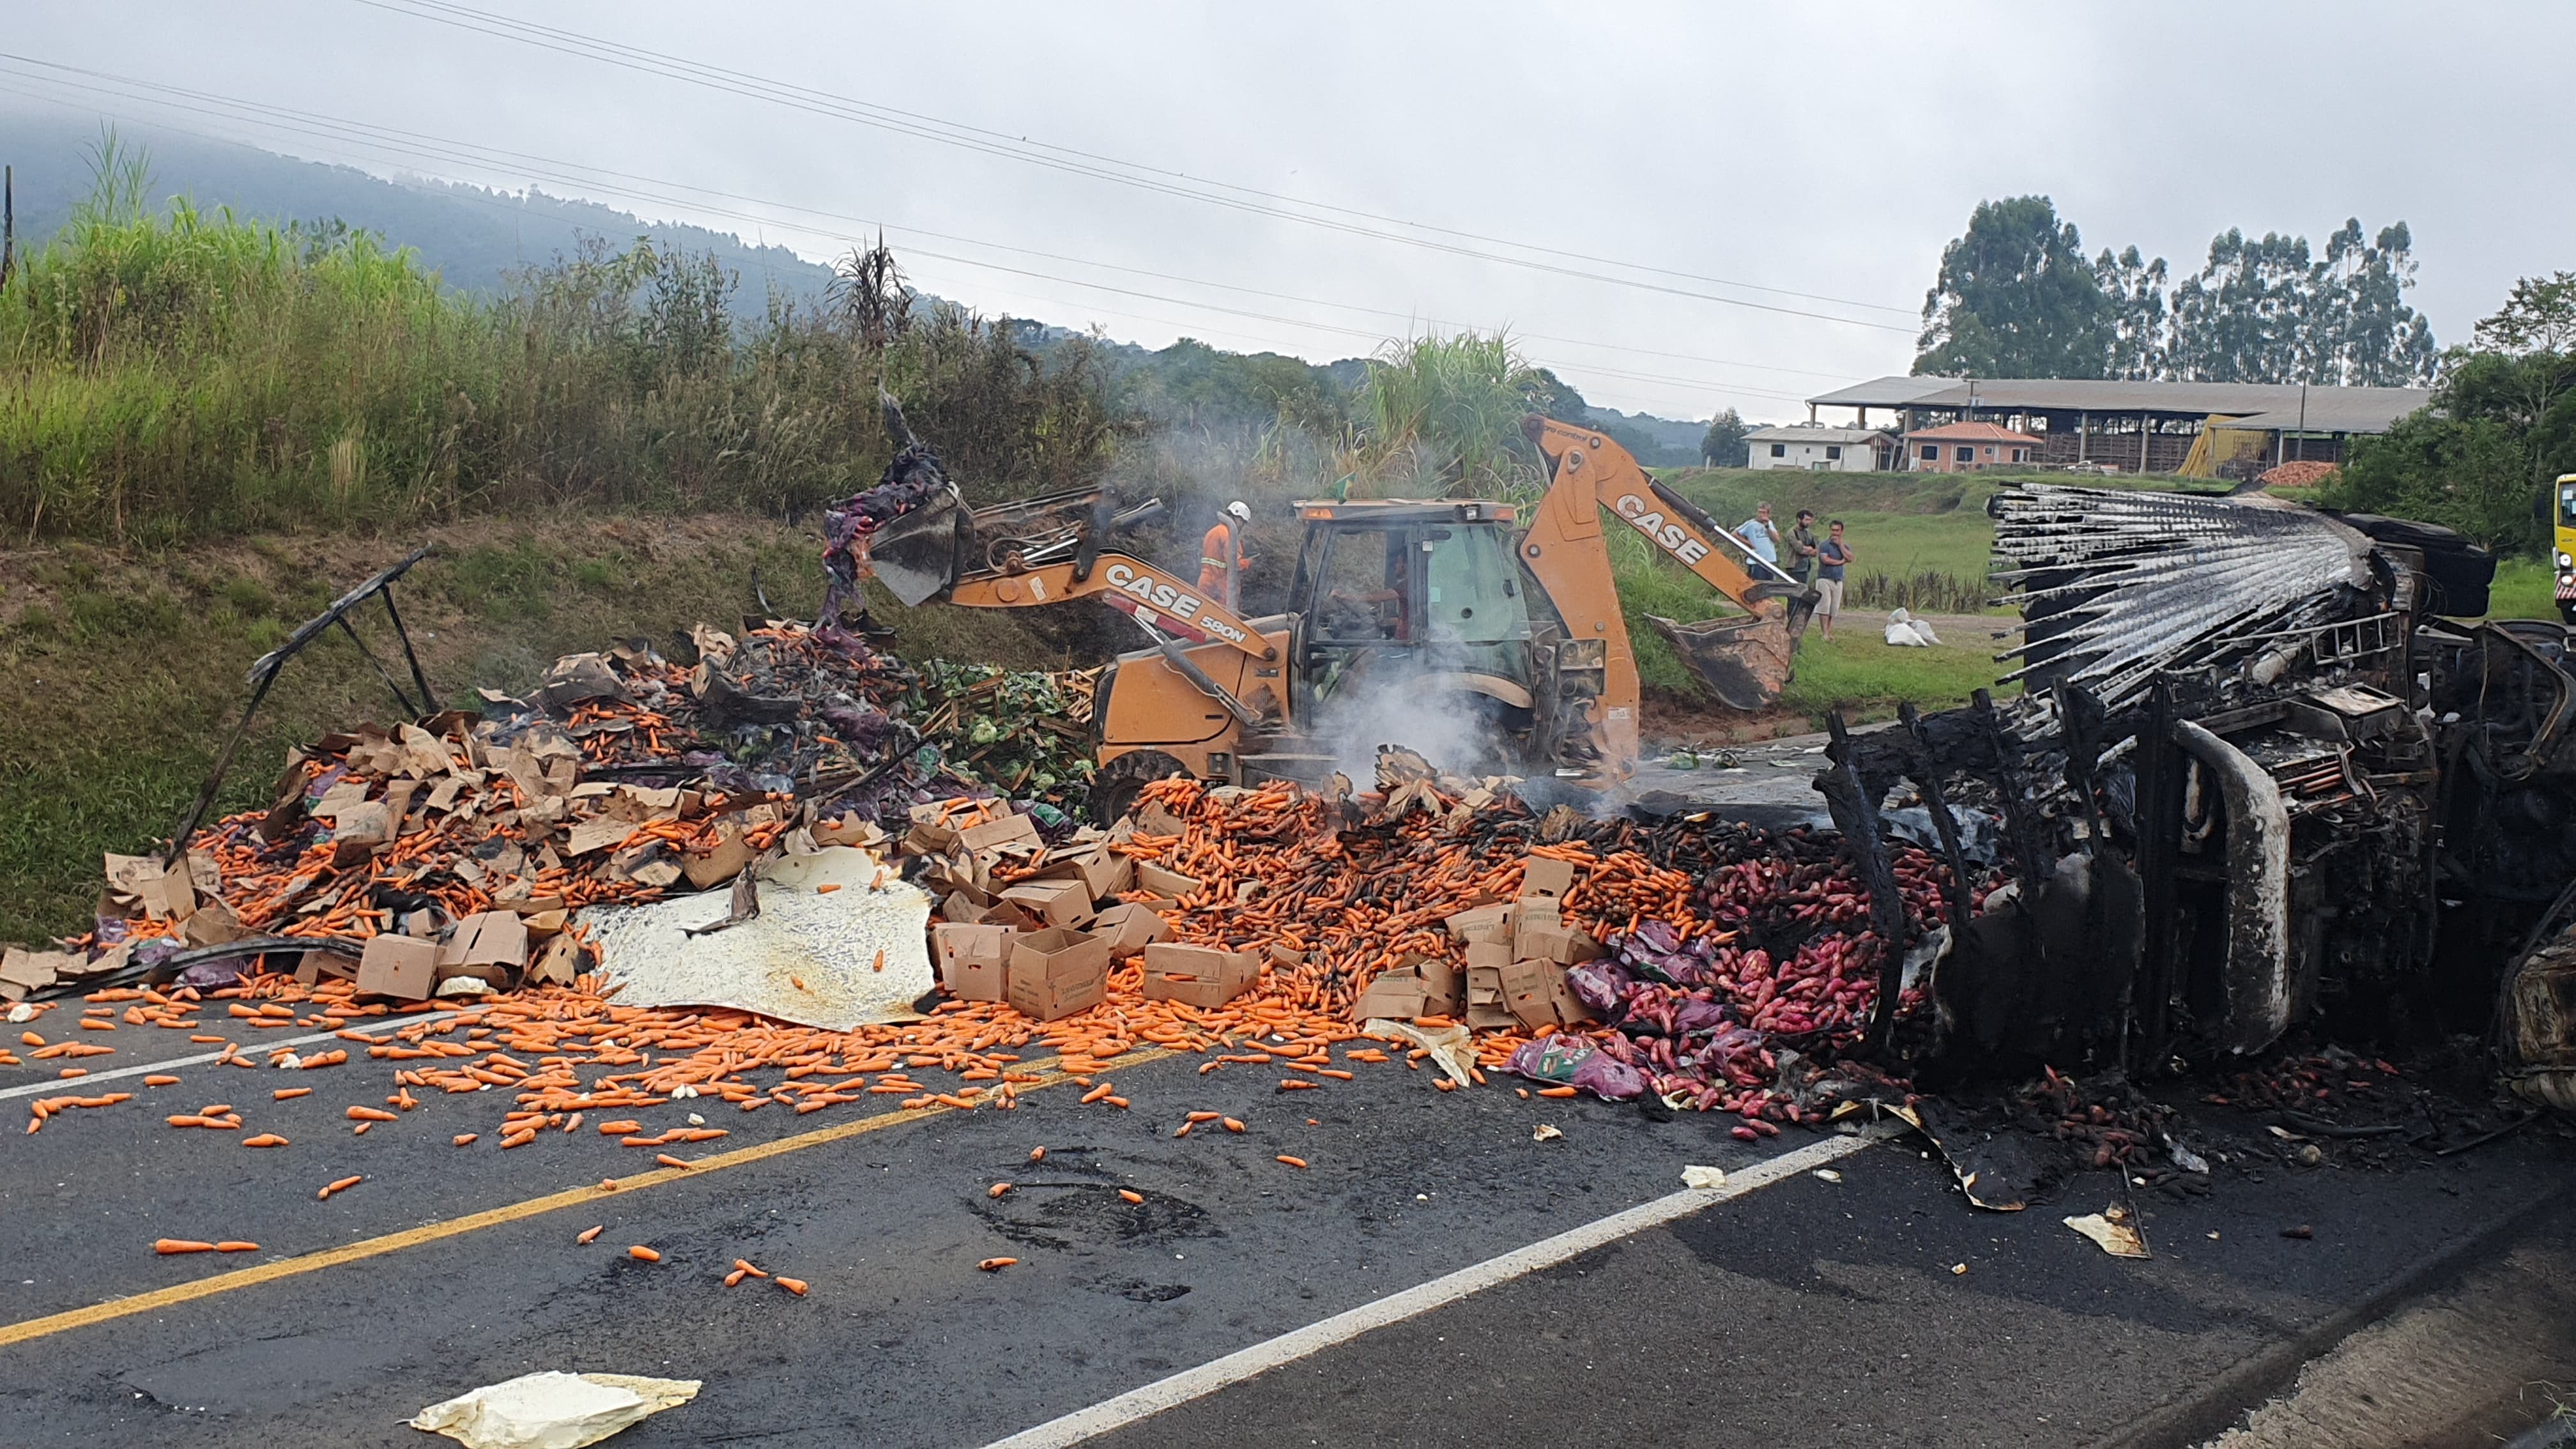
2563 547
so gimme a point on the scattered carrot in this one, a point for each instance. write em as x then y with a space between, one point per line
288 1094
796 1286
159 1079
743 1265
997 1189
236 1247
1233 1124
1130 1195
1292 1161
642 1254
168 1246
586 1235
1096 1094
371 1114
1037 1154
733 1277
462 1138
667 1160
265 1139
1556 1091
996 1265
342 1185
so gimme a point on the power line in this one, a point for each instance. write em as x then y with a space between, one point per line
911 124
448 12
416 145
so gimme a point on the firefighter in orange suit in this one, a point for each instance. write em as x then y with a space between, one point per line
1221 557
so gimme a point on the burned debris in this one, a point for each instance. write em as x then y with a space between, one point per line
2257 779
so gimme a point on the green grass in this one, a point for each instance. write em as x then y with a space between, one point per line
2525 588
1861 674
180 375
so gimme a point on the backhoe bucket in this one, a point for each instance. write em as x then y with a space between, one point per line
918 554
1745 662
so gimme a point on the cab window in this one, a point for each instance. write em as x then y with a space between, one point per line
1473 584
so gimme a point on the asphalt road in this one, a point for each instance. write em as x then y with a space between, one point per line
1812 1312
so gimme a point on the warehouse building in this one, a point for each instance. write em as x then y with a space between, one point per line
2200 429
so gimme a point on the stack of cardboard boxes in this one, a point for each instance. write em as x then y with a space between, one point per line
1045 941
1516 955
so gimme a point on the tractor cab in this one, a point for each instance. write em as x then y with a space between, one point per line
1417 607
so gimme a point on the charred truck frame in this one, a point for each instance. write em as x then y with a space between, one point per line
2257 776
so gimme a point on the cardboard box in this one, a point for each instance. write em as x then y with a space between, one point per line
1007 913
398 966
998 831
1056 902
1199 975
720 864
974 961
1129 929
851 829
1482 923
1542 876
1492 955
1057 972
1103 873
931 833
559 962
488 938
1570 1010
1565 945
1444 986
1172 883
1396 994
1531 919
1529 993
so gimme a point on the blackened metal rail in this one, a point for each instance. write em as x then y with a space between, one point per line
263 674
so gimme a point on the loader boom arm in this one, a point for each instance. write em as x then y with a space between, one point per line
1744 662
1125 583
1609 477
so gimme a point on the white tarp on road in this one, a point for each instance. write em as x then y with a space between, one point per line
834 959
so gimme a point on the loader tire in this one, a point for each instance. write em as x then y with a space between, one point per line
1115 788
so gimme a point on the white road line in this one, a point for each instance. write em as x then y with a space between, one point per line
61 1085
1137 1405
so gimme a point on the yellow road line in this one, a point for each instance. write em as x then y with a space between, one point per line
16 1333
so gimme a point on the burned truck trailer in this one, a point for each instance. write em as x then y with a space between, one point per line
2259 776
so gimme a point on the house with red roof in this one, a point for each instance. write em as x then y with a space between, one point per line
1964 447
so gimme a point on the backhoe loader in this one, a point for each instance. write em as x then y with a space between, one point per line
1429 612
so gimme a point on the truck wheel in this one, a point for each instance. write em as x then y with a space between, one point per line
1115 788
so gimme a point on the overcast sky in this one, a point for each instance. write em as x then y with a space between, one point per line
1821 150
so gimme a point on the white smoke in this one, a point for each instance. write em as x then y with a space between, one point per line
1444 725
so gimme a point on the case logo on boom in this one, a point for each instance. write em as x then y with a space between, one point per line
1668 536
1170 600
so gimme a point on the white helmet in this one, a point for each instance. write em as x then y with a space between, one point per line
1237 510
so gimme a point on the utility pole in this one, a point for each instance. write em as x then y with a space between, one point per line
2303 421
8 222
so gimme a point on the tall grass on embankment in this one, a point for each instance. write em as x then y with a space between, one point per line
175 375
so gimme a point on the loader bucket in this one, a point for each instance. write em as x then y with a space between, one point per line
918 554
1744 662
